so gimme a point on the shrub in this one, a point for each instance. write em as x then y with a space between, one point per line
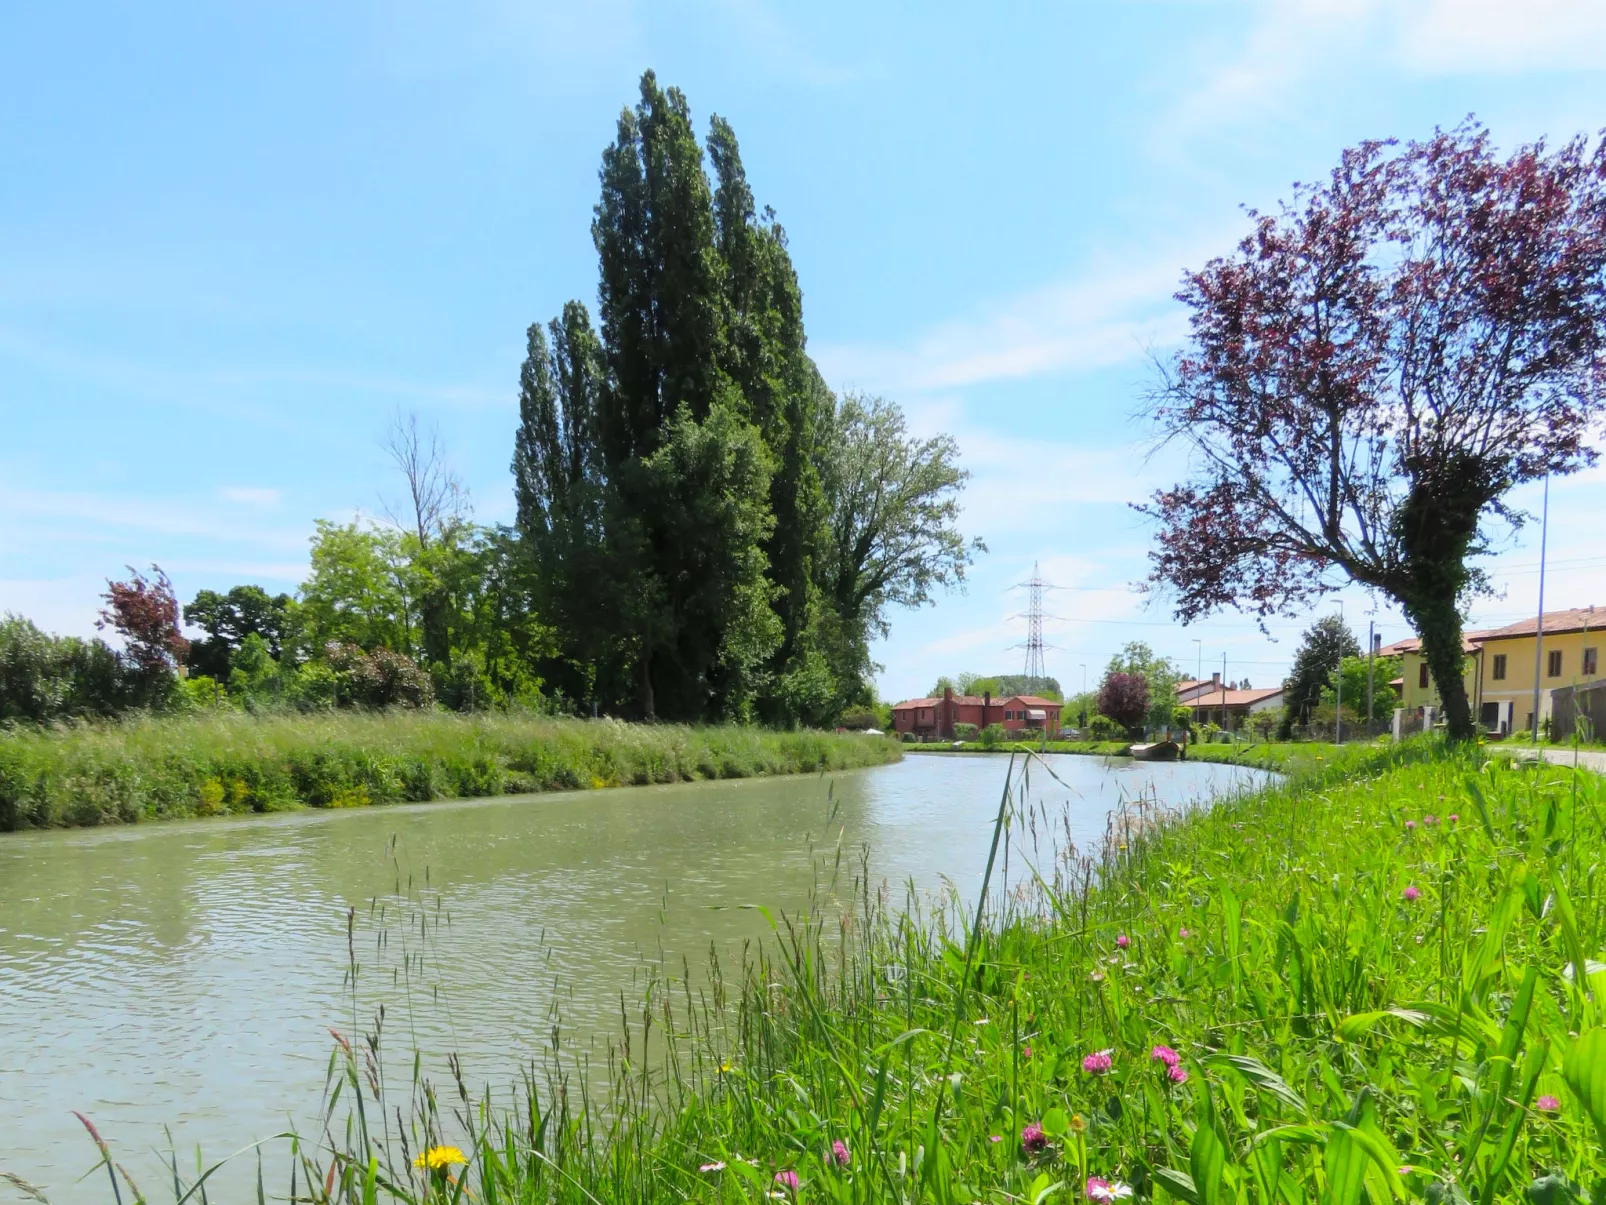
992 735
1124 698
45 678
382 678
1263 723
464 685
965 732
1103 728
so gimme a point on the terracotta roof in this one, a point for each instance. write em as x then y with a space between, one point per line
1577 619
1470 643
1233 698
977 701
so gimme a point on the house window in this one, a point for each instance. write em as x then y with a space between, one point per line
1499 667
1553 664
1422 675
1589 663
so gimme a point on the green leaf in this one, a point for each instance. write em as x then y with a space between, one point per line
1345 1160
1584 1069
1178 1184
1351 1028
1207 1158
1055 1123
1569 931
1262 1076
1532 1067
1233 911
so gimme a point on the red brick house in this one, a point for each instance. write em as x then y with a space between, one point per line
934 719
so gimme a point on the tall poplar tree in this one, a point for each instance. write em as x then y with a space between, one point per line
686 480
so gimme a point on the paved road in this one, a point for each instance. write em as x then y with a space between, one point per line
1590 759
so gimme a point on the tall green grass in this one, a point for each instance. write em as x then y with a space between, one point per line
1377 981
158 768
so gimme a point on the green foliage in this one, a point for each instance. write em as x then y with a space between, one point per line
229 619
1103 728
359 592
1323 647
1263 724
1003 686
379 679
1353 671
712 533
993 735
45 678
968 732
149 769
1161 674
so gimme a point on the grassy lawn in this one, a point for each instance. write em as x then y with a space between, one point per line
148 769
1371 982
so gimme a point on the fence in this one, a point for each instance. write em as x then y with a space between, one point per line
1578 708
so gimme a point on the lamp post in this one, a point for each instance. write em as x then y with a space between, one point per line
1338 685
1371 653
1539 625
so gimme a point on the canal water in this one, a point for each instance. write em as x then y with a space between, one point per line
186 975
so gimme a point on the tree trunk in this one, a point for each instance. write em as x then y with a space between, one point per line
644 673
1438 621
1436 527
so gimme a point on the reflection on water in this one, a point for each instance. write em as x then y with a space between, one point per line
186 974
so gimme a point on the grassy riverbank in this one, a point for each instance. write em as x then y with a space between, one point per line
164 768
1373 981
1268 755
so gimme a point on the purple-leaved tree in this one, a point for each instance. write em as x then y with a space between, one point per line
1372 371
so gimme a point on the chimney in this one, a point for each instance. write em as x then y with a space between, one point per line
948 694
1215 679
986 705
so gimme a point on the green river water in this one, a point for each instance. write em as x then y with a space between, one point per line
185 975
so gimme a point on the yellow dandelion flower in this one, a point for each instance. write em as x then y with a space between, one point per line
725 1068
439 1158
1077 1123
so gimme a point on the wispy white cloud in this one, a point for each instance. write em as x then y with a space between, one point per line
250 495
230 392
112 516
1108 315
1292 48
1457 36
780 46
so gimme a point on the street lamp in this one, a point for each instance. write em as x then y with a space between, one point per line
1338 684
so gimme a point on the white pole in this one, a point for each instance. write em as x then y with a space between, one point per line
1539 625
1338 685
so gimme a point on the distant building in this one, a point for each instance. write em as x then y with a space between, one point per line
1227 708
936 718
1498 667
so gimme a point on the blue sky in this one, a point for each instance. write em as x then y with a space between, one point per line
235 240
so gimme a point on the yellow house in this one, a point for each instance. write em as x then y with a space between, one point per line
1500 667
